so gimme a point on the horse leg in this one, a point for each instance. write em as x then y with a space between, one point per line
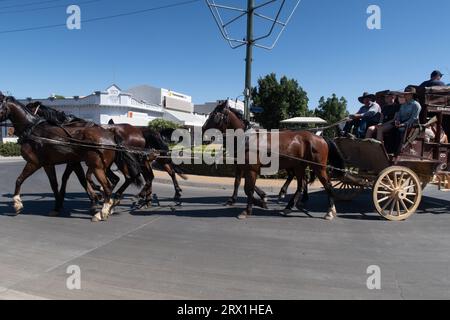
100 175
173 175
94 197
324 179
250 181
284 189
51 174
146 192
305 196
237 183
113 178
300 173
29 169
65 178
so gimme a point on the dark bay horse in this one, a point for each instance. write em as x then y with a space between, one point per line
136 137
294 146
39 152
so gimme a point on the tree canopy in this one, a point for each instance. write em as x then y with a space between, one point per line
279 100
332 110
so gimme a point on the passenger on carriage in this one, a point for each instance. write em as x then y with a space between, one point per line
407 116
368 115
431 132
435 80
388 111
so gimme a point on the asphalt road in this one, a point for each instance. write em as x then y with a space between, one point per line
201 251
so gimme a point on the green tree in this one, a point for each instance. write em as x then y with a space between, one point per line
161 124
279 100
332 110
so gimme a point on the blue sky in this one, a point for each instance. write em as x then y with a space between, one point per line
327 48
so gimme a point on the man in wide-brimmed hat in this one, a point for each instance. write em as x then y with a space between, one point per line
368 115
407 116
435 80
388 112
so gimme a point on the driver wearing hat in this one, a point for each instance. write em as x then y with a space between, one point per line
435 80
368 115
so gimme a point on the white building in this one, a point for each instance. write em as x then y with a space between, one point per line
177 107
136 106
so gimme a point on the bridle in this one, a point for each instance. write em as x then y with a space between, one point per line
222 118
5 111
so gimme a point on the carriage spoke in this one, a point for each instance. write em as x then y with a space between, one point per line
392 207
387 204
397 205
390 182
397 193
406 183
384 199
401 179
386 187
404 205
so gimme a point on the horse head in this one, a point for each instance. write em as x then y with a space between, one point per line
219 118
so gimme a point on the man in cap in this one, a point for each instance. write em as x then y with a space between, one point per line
368 115
407 116
435 80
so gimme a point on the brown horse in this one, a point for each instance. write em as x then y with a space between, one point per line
44 145
139 138
294 147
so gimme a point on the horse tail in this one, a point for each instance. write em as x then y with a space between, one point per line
131 162
335 158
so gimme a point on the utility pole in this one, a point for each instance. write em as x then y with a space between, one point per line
250 40
249 58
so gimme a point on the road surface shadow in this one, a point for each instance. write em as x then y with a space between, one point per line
76 205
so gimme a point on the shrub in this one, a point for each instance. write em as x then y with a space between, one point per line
10 150
161 124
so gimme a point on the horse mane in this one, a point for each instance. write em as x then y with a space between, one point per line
14 100
50 114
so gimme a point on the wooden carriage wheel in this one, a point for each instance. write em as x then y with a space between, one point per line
397 193
344 191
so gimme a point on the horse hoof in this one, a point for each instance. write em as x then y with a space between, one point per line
330 216
286 212
54 213
229 203
243 216
96 218
18 207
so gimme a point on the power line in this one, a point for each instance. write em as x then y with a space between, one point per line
48 7
177 4
28 4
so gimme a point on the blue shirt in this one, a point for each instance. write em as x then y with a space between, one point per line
408 113
370 112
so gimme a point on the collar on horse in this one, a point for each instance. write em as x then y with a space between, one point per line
25 135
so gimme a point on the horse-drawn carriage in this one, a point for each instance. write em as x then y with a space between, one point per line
397 184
